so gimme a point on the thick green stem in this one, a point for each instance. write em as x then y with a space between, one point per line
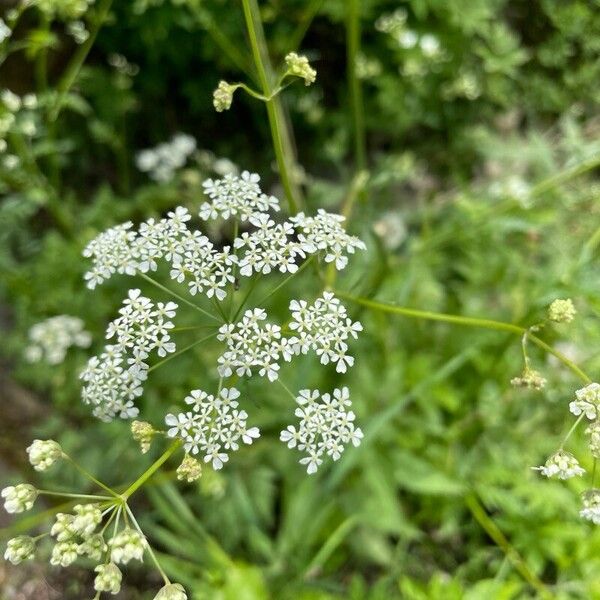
354 85
157 464
72 71
277 124
466 321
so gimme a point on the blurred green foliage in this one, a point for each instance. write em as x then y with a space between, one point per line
461 130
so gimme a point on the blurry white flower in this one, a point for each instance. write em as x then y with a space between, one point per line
407 39
391 229
562 311
591 506
50 339
562 465
587 401
11 101
19 498
78 31
5 31
44 453
164 160
429 44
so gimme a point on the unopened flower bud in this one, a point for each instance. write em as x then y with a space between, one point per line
300 67
126 545
19 498
142 432
63 529
19 549
64 553
93 547
108 579
190 469
223 96
44 453
172 591
87 518
562 311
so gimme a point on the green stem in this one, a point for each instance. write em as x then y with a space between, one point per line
160 286
282 283
90 476
287 389
67 495
150 470
500 540
72 71
466 321
148 547
570 432
356 101
281 146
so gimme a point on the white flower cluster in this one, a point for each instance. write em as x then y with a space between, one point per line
192 256
63 9
115 378
162 162
44 453
214 426
325 426
324 327
591 506
326 233
562 465
252 344
587 401
127 545
19 498
233 196
51 339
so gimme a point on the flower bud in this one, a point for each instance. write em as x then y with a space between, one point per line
172 591
562 311
108 579
300 67
87 518
19 549
64 553
190 469
126 545
44 453
93 547
142 433
19 498
223 96
63 529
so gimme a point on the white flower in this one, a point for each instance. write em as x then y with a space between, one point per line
233 196
164 160
171 591
112 381
189 470
128 544
64 553
50 339
213 427
93 547
108 579
62 529
44 453
562 465
325 328
325 233
19 549
19 498
587 401
325 427
251 346
591 506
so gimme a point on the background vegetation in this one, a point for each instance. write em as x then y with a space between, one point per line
462 146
